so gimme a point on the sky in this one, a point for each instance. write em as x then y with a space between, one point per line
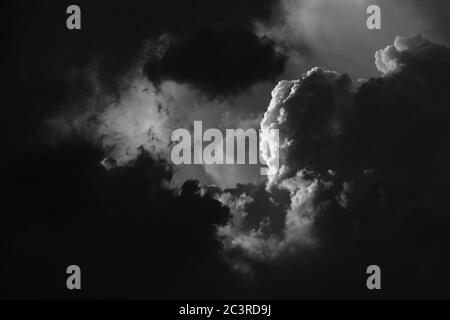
364 156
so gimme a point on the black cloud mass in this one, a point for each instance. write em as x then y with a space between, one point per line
364 164
131 232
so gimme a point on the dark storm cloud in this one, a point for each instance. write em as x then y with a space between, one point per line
131 235
220 60
112 31
265 205
437 14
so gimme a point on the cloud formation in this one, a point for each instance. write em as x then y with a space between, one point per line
118 225
364 164
210 59
121 122
132 114
352 154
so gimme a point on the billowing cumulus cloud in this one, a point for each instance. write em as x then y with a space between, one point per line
406 50
352 154
309 115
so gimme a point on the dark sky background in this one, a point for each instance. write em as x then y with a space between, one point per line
372 157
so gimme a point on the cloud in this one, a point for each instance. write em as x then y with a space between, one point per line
121 122
219 61
60 77
65 208
352 154
364 165
131 115
394 57
333 34
308 113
